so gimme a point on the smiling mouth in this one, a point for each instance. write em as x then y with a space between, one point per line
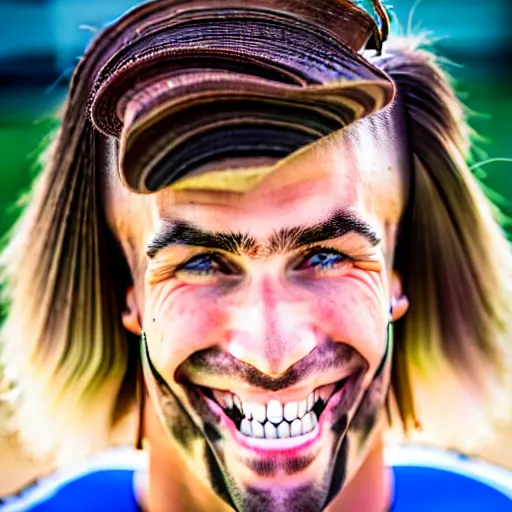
275 419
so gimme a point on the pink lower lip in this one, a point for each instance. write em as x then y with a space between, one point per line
288 447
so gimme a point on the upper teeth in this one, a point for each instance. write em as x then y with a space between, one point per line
273 411
274 419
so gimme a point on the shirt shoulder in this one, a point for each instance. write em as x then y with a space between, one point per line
105 483
427 479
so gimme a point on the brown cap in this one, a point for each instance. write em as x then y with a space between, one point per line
185 84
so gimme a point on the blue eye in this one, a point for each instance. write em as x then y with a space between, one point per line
323 260
201 265
208 266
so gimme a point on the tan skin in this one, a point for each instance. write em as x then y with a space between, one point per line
269 310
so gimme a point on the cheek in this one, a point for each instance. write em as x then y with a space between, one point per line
354 311
186 319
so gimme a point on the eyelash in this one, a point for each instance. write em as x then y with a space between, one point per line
227 269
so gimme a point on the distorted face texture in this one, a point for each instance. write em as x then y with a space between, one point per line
266 317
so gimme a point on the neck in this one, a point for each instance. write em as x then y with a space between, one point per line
370 490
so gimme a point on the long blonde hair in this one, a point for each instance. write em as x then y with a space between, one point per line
65 278
452 358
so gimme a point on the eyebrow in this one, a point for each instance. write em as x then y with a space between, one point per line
183 233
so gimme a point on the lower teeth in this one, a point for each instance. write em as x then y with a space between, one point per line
298 427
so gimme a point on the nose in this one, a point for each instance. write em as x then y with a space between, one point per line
270 332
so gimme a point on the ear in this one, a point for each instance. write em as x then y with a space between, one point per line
399 302
130 314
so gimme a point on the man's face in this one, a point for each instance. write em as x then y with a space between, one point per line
266 331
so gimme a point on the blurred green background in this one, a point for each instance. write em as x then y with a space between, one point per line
41 41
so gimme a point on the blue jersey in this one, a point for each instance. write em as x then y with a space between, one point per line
424 480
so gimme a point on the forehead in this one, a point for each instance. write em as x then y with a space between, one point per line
362 169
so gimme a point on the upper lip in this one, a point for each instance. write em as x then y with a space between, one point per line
216 369
248 393
285 395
